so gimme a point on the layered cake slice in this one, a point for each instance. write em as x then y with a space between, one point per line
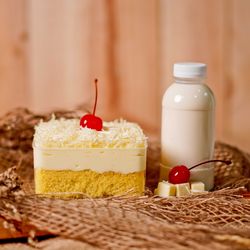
70 159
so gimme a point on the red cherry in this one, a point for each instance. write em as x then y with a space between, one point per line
179 174
90 120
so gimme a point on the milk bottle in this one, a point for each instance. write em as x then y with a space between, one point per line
187 135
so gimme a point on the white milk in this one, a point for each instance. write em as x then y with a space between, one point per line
187 136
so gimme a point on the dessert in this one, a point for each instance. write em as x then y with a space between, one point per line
71 159
89 156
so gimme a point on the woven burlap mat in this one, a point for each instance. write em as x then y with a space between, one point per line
217 220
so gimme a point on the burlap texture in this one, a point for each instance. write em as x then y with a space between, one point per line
219 219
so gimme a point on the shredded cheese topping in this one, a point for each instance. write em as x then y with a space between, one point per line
67 133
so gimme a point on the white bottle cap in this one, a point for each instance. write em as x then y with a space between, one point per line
190 70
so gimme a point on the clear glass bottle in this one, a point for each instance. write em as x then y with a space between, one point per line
188 114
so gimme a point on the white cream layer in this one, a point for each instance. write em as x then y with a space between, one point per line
97 159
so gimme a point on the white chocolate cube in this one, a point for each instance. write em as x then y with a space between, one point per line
183 189
166 189
197 186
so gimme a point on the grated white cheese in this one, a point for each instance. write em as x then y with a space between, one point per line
62 133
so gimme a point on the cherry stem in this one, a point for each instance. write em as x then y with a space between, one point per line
209 161
96 95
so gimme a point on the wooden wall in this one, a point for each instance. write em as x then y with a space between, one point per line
51 50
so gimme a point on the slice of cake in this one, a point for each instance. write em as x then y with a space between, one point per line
70 159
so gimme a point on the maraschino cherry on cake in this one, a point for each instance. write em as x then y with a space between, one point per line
89 156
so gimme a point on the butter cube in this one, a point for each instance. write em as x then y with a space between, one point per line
197 186
166 189
183 189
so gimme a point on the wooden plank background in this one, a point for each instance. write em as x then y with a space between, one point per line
51 50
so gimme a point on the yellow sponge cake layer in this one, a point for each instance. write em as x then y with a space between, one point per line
91 183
